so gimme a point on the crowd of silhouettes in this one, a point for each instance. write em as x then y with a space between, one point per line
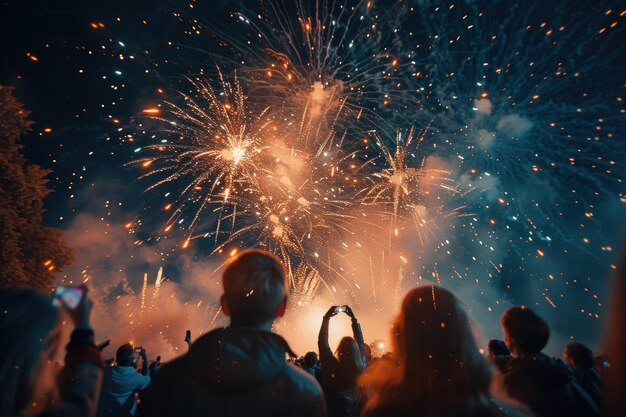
434 368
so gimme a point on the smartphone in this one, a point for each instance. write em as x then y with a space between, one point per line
103 344
341 309
68 296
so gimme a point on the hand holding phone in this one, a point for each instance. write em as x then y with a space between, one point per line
103 344
332 311
76 303
68 296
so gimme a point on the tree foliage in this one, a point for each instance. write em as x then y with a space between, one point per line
30 253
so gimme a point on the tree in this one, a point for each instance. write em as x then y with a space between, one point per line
30 253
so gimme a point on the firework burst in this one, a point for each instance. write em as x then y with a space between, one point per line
213 149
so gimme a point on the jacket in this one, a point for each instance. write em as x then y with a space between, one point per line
546 387
118 396
233 371
79 381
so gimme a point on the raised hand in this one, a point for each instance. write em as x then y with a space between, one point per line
332 311
80 315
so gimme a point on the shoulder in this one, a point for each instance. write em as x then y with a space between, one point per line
170 376
303 382
172 371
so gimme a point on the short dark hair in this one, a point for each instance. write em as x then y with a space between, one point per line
581 355
124 355
498 348
529 331
310 359
254 286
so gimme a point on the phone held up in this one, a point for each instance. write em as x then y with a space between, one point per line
68 296
103 344
340 309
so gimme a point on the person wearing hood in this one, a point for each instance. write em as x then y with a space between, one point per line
543 384
239 370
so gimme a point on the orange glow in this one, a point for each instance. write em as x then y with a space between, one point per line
404 259
186 243
233 252
147 164
128 225
152 110
540 252
168 228
168 206
47 130
48 262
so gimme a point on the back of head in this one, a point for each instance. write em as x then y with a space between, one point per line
527 332
124 355
29 326
254 286
349 356
497 347
310 359
580 355
440 367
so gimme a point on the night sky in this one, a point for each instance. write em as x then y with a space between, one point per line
521 103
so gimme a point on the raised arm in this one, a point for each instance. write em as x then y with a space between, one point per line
145 370
357 333
326 355
79 381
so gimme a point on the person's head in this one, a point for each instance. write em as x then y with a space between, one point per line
349 356
255 289
525 333
30 336
125 355
497 347
310 359
578 356
436 363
